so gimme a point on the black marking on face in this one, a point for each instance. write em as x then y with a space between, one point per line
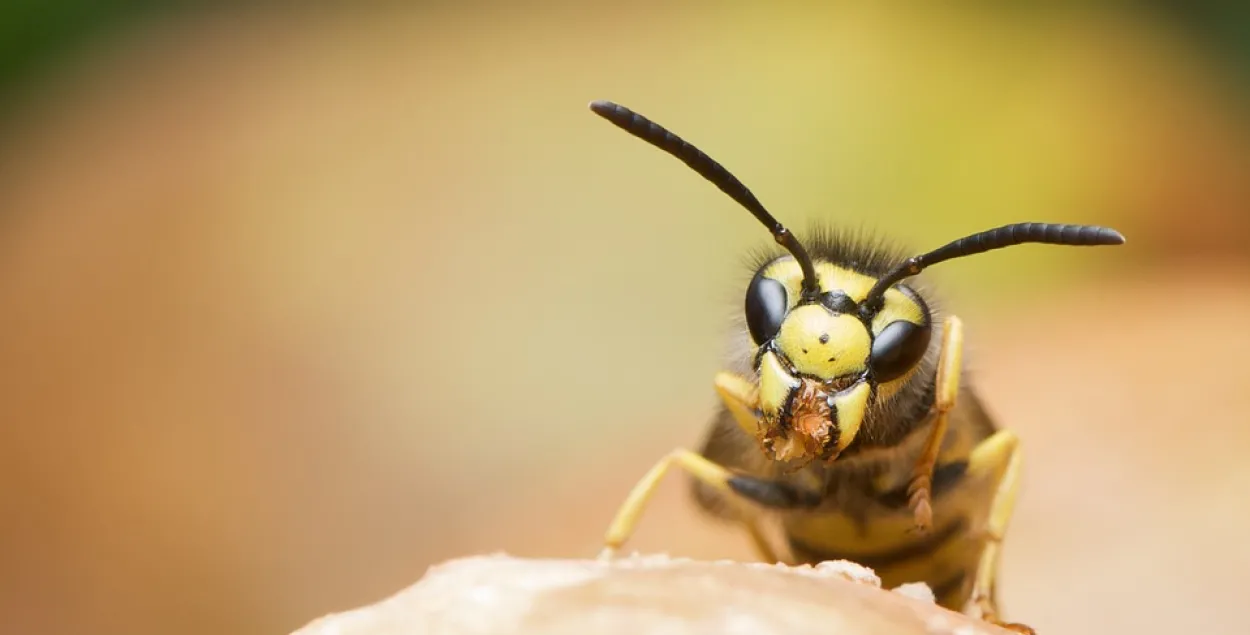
835 433
785 416
838 302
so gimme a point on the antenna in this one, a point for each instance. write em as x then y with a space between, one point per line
997 238
658 136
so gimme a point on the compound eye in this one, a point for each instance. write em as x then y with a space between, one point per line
897 349
766 308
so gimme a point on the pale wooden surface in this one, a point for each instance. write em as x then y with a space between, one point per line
656 595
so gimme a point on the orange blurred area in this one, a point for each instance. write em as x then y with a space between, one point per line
298 302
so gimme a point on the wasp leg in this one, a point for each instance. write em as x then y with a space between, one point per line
996 459
630 512
949 364
737 488
741 399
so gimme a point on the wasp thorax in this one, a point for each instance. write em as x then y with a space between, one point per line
819 343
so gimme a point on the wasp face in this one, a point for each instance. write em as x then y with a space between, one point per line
824 361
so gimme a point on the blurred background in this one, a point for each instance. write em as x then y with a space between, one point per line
296 301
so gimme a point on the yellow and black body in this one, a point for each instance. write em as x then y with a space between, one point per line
845 412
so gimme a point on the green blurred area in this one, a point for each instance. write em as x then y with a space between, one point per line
937 132
36 35
1220 27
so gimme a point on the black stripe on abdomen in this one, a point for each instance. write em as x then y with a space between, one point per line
919 548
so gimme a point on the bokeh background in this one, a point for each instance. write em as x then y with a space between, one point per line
296 301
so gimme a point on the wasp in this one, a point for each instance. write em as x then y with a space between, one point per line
845 415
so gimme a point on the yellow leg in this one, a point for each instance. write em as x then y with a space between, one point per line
949 364
627 517
998 459
741 399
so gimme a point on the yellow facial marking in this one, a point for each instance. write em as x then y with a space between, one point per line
822 344
851 406
830 276
775 385
898 306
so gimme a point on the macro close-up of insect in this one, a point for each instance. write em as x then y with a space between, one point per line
547 318
846 415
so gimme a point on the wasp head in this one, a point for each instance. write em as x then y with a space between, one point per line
824 356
